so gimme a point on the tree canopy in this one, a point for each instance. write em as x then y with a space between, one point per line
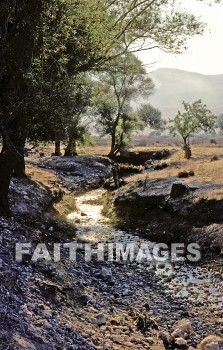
220 122
114 92
196 118
45 44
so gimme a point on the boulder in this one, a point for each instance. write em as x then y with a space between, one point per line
157 155
212 342
182 329
167 338
180 342
213 346
179 189
151 193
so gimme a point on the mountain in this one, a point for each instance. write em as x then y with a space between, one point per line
174 85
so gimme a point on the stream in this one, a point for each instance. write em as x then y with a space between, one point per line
199 284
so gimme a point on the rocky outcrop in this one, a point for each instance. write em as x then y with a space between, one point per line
212 342
80 171
168 209
140 158
148 194
183 333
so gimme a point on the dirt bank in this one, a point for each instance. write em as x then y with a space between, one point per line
169 210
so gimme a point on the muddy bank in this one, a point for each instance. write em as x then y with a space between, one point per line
168 210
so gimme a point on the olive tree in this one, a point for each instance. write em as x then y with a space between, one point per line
196 118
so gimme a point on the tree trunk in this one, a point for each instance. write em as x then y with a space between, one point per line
113 141
71 149
11 163
57 148
113 136
6 171
19 166
187 149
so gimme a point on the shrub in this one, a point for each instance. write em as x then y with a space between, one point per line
125 169
164 165
214 158
160 166
183 174
191 173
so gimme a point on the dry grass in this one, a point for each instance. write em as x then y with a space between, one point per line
51 181
200 163
44 177
95 150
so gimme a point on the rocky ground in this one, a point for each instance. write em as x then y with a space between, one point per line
168 209
94 305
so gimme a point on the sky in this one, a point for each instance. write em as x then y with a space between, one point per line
204 54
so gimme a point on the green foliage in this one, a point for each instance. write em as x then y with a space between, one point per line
220 122
151 116
127 125
196 118
124 81
45 44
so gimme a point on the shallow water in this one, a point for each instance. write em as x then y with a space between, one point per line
196 284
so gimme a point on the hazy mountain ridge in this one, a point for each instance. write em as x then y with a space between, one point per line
174 85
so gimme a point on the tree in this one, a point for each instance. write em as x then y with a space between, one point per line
80 117
118 87
18 22
196 118
43 43
151 116
220 122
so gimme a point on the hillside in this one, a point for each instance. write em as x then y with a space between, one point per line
173 86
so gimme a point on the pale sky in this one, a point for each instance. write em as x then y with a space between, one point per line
205 53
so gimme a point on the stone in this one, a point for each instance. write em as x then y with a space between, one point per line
125 292
211 339
212 346
99 319
87 298
157 155
180 342
182 328
106 273
150 340
148 164
115 339
167 338
178 333
179 189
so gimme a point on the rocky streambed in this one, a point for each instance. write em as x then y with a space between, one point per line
169 210
95 304
198 284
